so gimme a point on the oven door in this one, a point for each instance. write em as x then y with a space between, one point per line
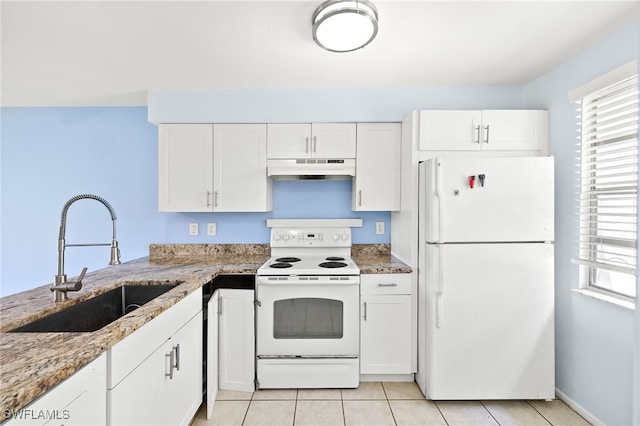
308 316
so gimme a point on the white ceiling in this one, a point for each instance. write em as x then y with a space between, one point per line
79 53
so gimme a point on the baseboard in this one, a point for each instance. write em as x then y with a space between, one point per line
386 377
578 408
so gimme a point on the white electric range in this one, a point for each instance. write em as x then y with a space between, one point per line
308 310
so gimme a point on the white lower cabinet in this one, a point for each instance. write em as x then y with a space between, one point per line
231 343
156 372
236 342
385 324
78 400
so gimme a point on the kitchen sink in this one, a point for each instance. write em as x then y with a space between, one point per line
97 312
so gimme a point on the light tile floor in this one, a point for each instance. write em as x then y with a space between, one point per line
377 404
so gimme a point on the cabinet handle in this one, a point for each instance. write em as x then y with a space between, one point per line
170 355
219 305
208 198
387 285
477 139
215 198
306 144
177 350
486 134
315 144
365 311
360 197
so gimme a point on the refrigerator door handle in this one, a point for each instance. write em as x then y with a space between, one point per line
439 289
439 197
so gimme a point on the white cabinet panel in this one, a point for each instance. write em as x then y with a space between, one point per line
376 186
182 391
487 130
240 168
386 328
213 168
212 351
450 130
288 140
79 400
236 347
185 156
333 140
317 140
161 386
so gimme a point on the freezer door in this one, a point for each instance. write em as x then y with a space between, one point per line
489 321
488 199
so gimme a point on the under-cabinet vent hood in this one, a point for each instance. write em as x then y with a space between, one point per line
310 168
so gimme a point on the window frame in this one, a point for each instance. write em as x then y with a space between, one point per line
589 243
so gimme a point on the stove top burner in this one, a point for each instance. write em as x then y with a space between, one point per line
290 259
332 265
280 265
334 258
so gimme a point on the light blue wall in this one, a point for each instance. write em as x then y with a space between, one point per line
52 154
594 339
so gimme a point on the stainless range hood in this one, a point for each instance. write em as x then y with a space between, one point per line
311 168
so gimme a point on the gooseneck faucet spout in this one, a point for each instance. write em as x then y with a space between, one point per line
60 285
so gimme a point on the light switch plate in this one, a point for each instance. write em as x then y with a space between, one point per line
193 229
380 228
211 229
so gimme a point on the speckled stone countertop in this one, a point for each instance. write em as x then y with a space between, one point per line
33 363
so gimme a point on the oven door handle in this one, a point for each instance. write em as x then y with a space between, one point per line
285 283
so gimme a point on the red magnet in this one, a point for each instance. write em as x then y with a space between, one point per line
472 181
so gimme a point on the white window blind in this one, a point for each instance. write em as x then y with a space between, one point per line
608 200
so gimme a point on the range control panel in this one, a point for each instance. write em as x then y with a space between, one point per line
319 237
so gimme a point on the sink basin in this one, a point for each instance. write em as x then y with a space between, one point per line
93 314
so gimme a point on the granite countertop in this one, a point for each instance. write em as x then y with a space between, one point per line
33 363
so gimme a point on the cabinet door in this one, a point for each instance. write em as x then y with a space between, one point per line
182 394
78 400
377 182
333 140
289 140
185 155
137 399
385 334
450 130
240 167
514 130
212 351
236 346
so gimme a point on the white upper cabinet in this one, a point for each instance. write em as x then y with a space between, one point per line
504 130
376 186
317 140
240 182
213 168
185 168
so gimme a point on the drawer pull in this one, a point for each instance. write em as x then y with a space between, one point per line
387 285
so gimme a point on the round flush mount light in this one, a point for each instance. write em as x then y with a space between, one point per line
345 25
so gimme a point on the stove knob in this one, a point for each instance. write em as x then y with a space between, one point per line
276 237
336 237
285 237
345 237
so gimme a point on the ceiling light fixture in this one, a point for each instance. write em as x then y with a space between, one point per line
345 25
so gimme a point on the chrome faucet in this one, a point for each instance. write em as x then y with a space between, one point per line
60 285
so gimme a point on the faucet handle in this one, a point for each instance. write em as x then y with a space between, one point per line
78 284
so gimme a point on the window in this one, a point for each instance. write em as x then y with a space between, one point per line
607 231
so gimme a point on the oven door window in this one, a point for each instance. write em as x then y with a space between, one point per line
308 318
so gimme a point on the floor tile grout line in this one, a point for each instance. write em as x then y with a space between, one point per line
489 411
440 411
537 411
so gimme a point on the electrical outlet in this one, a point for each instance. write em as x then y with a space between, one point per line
211 229
380 228
193 229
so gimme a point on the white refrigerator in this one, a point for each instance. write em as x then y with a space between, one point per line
485 279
